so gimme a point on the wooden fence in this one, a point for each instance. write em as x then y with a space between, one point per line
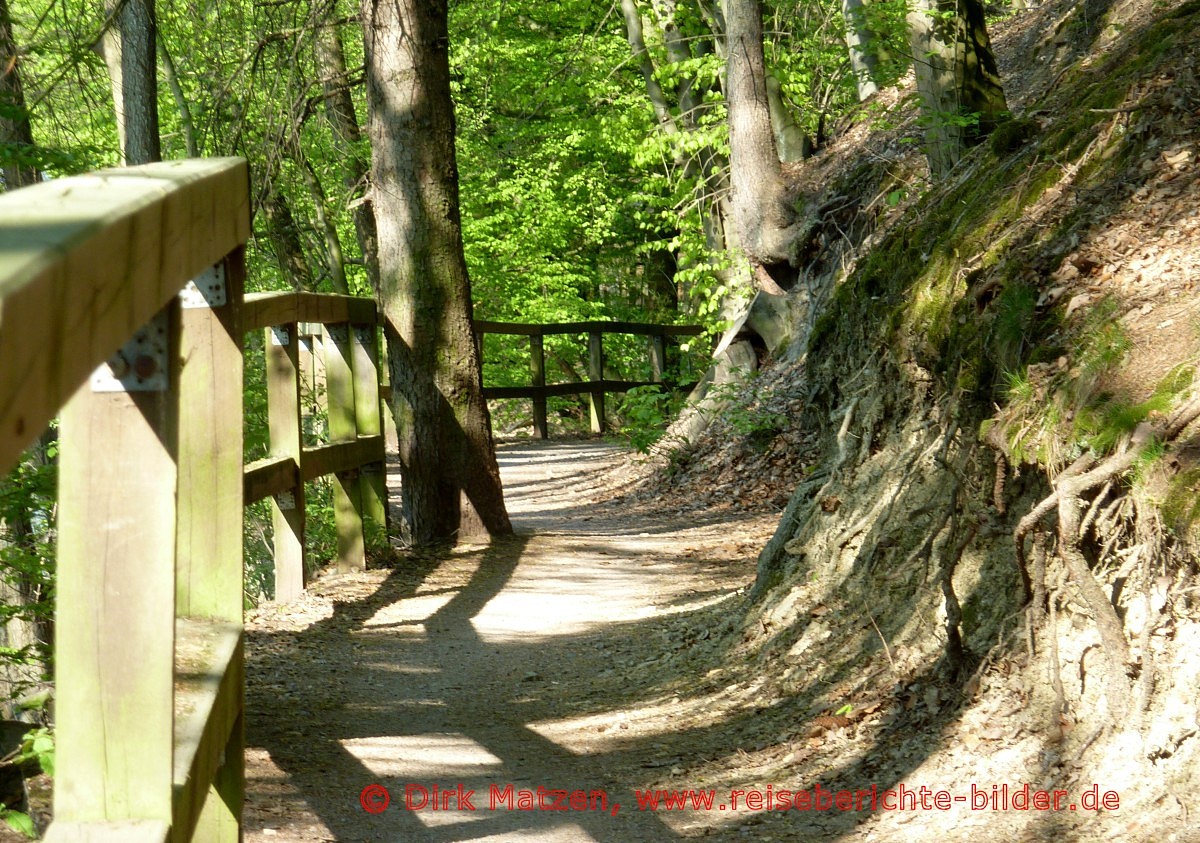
122 313
143 268
596 384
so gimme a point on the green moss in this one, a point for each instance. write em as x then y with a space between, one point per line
1011 135
1181 509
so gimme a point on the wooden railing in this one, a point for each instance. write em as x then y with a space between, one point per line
349 358
148 658
596 385
122 313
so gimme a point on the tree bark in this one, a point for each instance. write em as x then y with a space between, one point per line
962 99
763 221
451 482
128 46
343 123
335 261
284 237
15 132
861 41
637 44
187 125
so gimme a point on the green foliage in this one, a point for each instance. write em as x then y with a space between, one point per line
739 406
646 411
19 822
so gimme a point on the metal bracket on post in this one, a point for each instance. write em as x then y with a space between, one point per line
286 500
141 364
281 335
338 333
206 290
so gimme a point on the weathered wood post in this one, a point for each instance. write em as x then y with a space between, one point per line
285 418
537 371
115 630
658 356
208 580
343 427
596 376
372 484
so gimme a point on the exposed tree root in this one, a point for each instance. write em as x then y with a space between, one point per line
1081 477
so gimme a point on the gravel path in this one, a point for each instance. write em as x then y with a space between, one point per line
476 671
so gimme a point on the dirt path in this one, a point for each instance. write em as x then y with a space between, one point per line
536 662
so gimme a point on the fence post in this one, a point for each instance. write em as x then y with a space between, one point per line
658 357
284 413
372 485
115 626
596 376
209 539
537 370
343 427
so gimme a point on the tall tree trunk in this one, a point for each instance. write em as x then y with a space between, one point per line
790 141
343 123
128 45
957 79
637 44
15 131
451 482
186 124
862 42
763 221
284 237
335 261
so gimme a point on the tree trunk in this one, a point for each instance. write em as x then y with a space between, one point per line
186 124
15 131
284 237
862 43
961 96
343 123
637 45
128 45
762 220
335 261
451 482
790 141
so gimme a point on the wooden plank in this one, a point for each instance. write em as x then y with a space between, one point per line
343 427
596 374
286 444
372 480
340 456
208 581
115 621
658 357
266 309
129 831
537 370
269 476
210 672
86 261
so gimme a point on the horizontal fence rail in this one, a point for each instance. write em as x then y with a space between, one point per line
596 385
338 334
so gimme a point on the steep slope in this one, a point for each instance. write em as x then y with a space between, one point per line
988 573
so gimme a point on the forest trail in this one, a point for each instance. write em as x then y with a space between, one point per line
539 661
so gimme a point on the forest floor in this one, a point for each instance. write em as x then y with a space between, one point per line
557 659
595 651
